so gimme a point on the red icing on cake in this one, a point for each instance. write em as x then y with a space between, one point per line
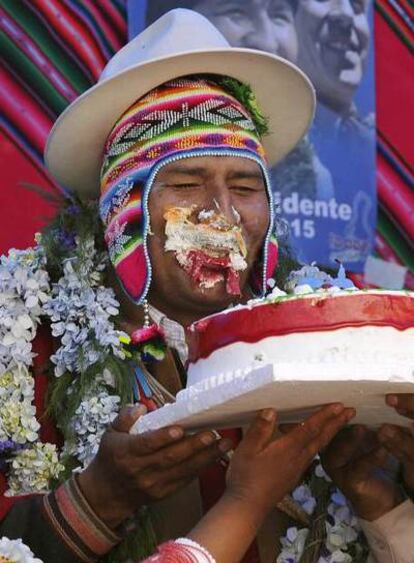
318 312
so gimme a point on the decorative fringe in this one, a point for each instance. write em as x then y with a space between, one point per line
293 510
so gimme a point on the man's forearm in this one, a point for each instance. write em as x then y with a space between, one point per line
27 520
59 526
391 537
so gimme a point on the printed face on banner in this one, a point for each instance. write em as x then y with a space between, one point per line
334 37
325 189
255 24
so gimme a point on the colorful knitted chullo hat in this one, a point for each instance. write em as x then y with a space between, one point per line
182 118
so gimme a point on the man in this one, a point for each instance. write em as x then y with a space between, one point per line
266 25
334 40
333 48
180 154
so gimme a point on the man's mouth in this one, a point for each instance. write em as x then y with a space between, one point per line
340 42
207 270
208 248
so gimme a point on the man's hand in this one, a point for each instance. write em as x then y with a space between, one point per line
400 441
357 464
263 471
130 471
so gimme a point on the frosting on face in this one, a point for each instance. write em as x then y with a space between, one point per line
182 118
207 246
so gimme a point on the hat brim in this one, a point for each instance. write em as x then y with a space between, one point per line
75 145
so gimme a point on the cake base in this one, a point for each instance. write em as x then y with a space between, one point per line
295 391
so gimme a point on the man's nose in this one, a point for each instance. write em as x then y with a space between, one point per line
222 203
342 14
262 35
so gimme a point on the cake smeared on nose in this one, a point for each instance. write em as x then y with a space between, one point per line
207 246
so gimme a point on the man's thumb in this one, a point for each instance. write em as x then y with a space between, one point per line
127 417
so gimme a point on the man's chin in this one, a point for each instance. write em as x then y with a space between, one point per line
342 66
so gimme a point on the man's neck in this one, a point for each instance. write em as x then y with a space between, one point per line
133 315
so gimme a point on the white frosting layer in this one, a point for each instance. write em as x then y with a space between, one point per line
296 374
342 346
294 390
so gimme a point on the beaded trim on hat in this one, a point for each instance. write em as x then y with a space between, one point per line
179 119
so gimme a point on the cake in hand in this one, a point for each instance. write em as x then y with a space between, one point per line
325 342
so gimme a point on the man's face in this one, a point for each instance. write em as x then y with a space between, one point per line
333 46
267 25
232 186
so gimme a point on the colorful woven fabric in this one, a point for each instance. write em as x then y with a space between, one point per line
51 52
182 550
183 118
76 524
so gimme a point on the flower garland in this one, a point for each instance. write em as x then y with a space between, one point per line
62 281
334 535
79 311
24 291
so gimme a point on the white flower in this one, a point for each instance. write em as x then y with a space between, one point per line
80 311
320 472
15 551
32 468
293 545
336 557
91 419
17 413
341 511
18 421
303 496
339 536
24 288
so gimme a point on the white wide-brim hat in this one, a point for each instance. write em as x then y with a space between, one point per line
180 43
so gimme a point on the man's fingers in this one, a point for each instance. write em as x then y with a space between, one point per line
330 429
151 442
312 426
185 449
190 468
260 432
403 403
344 447
127 417
398 441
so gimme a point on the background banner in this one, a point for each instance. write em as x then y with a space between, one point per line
325 190
52 51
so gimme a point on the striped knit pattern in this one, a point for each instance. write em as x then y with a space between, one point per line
179 119
76 523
